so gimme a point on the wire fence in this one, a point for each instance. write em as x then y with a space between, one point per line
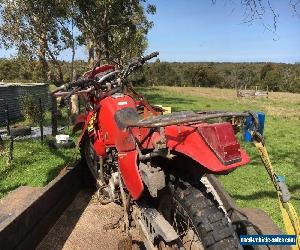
18 105
31 105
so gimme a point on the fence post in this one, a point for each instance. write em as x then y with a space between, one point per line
1 140
54 115
7 120
1 145
11 150
11 139
41 119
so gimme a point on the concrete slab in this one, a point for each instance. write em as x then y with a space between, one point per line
15 202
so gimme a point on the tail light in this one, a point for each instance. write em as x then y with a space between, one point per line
222 141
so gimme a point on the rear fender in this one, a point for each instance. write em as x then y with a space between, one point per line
188 141
192 141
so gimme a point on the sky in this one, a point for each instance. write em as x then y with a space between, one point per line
197 30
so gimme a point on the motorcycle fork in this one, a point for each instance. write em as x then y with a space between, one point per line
125 202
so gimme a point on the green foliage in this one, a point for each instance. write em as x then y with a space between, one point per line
275 77
265 69
112 29
37 29
41 30
281 77
295 86
30 109
273 80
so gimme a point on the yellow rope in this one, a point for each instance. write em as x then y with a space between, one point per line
288 212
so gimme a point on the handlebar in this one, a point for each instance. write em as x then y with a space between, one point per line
150 56
88 82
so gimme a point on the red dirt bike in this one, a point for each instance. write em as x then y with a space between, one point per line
154 164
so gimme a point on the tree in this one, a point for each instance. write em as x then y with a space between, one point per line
272 80
265 69
38 29
112 29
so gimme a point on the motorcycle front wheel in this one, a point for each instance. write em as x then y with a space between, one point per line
196 218
90 162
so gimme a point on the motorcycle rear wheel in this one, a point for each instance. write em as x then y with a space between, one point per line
196 218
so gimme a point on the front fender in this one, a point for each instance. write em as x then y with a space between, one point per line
79 122
130 173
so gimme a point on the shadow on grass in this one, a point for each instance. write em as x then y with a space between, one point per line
6 172
265 194
53 172
58 153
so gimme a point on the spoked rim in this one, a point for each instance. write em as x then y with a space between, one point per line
180 220
185 228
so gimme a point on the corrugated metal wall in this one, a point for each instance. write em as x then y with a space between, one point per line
12 94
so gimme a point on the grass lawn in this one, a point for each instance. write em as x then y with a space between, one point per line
34 164
250 185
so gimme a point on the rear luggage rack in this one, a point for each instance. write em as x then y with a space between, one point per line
184 117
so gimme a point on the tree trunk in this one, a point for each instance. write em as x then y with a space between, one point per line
42 56
74 98
73 52
91 52
105 35
98 51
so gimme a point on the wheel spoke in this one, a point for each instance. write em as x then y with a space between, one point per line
185 229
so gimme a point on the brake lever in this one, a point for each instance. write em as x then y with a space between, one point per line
70 94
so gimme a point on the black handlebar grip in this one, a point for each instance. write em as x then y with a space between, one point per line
58 89
150 56
79 83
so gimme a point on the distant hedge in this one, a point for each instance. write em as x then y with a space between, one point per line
275 76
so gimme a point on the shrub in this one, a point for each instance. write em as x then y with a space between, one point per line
30 109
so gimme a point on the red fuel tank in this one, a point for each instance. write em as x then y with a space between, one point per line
112 133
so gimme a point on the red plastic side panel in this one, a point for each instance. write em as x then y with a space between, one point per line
130 173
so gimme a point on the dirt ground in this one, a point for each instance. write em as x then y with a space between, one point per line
82 224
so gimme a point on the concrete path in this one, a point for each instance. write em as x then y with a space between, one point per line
81 227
